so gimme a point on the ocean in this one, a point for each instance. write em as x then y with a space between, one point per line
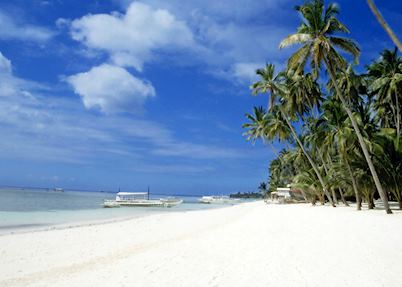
39 209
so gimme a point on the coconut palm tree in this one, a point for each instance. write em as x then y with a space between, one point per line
386 84
303 93
272 85
318 36
256 125
389 157
266 127
281 171
263 188
339 136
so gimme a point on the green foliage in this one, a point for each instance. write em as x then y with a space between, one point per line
326 134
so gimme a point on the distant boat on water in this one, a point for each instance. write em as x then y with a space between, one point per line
221 199
140 199
58 189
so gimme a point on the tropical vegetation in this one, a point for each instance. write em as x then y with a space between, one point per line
342 128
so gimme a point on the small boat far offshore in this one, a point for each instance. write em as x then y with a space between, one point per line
58 189
140 199
221 199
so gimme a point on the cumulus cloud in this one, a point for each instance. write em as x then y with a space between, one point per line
11 29
111 89
131 38
228 34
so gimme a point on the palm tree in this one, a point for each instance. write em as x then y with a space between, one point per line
389 157
272 85
386 76
269 83
258 125
281 171
339 136
263 188
302 88
317 34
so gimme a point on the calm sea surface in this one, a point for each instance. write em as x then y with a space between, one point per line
23 209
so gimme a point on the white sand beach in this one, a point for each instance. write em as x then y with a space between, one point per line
251 244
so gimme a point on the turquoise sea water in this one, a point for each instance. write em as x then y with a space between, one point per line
26 209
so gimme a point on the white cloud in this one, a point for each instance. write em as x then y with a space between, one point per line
57 132
227 36
5 65
12 29
237 9
246 71
112 89
131 38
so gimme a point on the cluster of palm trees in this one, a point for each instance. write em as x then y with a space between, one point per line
342 129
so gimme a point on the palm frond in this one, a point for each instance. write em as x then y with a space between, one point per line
293 39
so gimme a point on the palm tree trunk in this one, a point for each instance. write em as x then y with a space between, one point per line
384 24
354 184
360 137
343 197
327 173
398 195
397 117
334 198
273 149
304 195
313 165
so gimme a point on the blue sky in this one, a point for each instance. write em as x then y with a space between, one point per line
102 94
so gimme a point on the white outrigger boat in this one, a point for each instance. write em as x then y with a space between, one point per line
222 199
140 199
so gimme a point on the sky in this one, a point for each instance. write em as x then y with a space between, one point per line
112 94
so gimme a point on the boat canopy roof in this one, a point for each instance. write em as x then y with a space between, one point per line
283 189
132 193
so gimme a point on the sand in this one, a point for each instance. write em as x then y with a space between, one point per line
251 244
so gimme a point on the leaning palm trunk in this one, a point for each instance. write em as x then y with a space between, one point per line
335 200
354 184
313 165
398 116
304 195
360 137
343 197
384 24
274 149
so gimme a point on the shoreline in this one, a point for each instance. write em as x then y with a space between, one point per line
71 225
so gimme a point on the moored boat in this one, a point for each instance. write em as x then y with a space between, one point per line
140 199
221 199
110 203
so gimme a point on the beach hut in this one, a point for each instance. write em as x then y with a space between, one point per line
285 194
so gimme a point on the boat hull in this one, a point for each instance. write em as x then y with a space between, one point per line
142 203
217 200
